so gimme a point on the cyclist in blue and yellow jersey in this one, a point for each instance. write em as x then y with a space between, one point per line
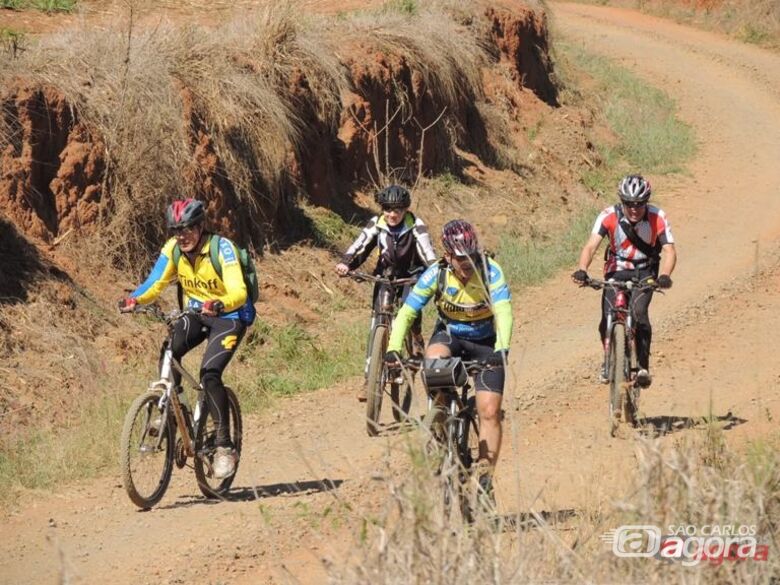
222 309
475 323
404 249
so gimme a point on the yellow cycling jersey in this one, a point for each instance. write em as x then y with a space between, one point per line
200 282
469 310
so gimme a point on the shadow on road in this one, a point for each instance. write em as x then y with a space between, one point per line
258 492
657 426
397 428
522 521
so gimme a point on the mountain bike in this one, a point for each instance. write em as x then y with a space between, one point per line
377 380
160 430
452 425
620 351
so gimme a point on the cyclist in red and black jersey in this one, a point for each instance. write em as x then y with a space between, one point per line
641 246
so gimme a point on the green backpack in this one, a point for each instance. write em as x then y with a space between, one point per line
247 266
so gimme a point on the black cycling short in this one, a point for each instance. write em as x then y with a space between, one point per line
491 380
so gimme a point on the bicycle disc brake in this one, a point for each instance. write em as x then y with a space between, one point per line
180 454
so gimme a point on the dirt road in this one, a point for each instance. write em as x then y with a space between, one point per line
712 330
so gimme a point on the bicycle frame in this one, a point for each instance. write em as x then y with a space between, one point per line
171 397
620 312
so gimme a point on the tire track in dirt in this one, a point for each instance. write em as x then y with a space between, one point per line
275 530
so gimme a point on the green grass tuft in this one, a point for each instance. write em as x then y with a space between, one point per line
651 139
527 262
43 5
329 229
410 7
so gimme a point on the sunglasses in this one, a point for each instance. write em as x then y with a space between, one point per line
632 205
389 209
182 230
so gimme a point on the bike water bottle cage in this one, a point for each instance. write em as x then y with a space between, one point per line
444 373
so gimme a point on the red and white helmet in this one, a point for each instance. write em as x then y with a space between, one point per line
183 213
459 238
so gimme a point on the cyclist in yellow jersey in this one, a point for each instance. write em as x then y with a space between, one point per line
221 304
475 323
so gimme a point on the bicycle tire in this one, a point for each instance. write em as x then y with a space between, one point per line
617 375
401 394
205 447
468 453
376 379
137 461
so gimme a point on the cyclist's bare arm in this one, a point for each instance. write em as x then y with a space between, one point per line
668 259
588 251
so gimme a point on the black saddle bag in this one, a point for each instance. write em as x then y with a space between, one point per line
444 373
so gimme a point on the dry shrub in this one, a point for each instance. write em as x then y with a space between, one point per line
130 84
698 482
434 44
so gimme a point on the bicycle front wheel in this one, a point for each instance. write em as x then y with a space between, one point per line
468 453
376 379
206 447
146 451
401 394
617 375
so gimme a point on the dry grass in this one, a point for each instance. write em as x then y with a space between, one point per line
433 44
128 84
697 482
253 85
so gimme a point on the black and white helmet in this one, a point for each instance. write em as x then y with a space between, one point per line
634 189
394 197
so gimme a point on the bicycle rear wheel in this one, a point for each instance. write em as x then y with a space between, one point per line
206 447
146 451
617 375
401 394
376 379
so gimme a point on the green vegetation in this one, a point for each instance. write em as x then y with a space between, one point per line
329 229
650 138
43 5
280 361
88 445
529 261
410 7
11 39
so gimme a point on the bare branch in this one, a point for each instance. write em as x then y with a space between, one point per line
422 145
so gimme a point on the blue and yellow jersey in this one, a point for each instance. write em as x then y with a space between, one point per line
201 282
466 309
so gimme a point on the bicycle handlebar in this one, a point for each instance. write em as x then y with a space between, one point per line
155 311
362 276
472 366
629 285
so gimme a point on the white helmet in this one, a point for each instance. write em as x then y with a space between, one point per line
634 189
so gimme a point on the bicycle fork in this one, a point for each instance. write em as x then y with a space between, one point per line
171 396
